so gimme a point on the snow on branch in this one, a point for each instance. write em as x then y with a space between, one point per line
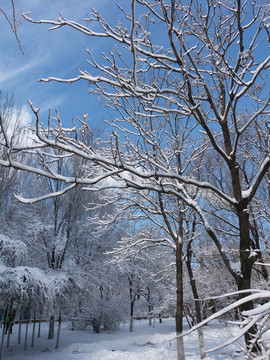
250 318
77 26
13 23
265 165
44 197
24 283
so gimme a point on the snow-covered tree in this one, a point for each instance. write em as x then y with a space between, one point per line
165 233
12 252
24 289
96 303
146 267
9 119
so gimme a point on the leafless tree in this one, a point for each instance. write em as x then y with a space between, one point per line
11 16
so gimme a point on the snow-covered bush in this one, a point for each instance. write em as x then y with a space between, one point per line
100 308
102 315
107 315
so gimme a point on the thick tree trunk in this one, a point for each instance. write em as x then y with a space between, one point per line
249 336
246 257
257 246
247 260
179 302
244 284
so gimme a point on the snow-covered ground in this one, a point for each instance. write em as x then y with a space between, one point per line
145 343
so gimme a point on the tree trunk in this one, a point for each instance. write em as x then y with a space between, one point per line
179 301
257 246
249 336
193 284
150 313
39 326
131 315
26 334
58 332
51 328
33 331
2 343
150 307
20 329
247 260
8 336
196 299
1 318
150 319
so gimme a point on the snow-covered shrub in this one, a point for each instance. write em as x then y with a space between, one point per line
101 314
107 315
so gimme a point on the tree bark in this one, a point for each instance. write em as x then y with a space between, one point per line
26 334
8 335
149 316
150 307
247 260
131 316
179 301
58 332
51 328
193 284
39 326
196 299
20 328
2 343
33 331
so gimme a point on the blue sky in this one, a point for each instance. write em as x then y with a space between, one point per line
50 53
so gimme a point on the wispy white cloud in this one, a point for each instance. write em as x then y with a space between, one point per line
52 103
50 53
11 70
26 116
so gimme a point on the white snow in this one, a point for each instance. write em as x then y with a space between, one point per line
236 267
145 343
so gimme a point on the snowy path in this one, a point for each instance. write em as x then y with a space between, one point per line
145 343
